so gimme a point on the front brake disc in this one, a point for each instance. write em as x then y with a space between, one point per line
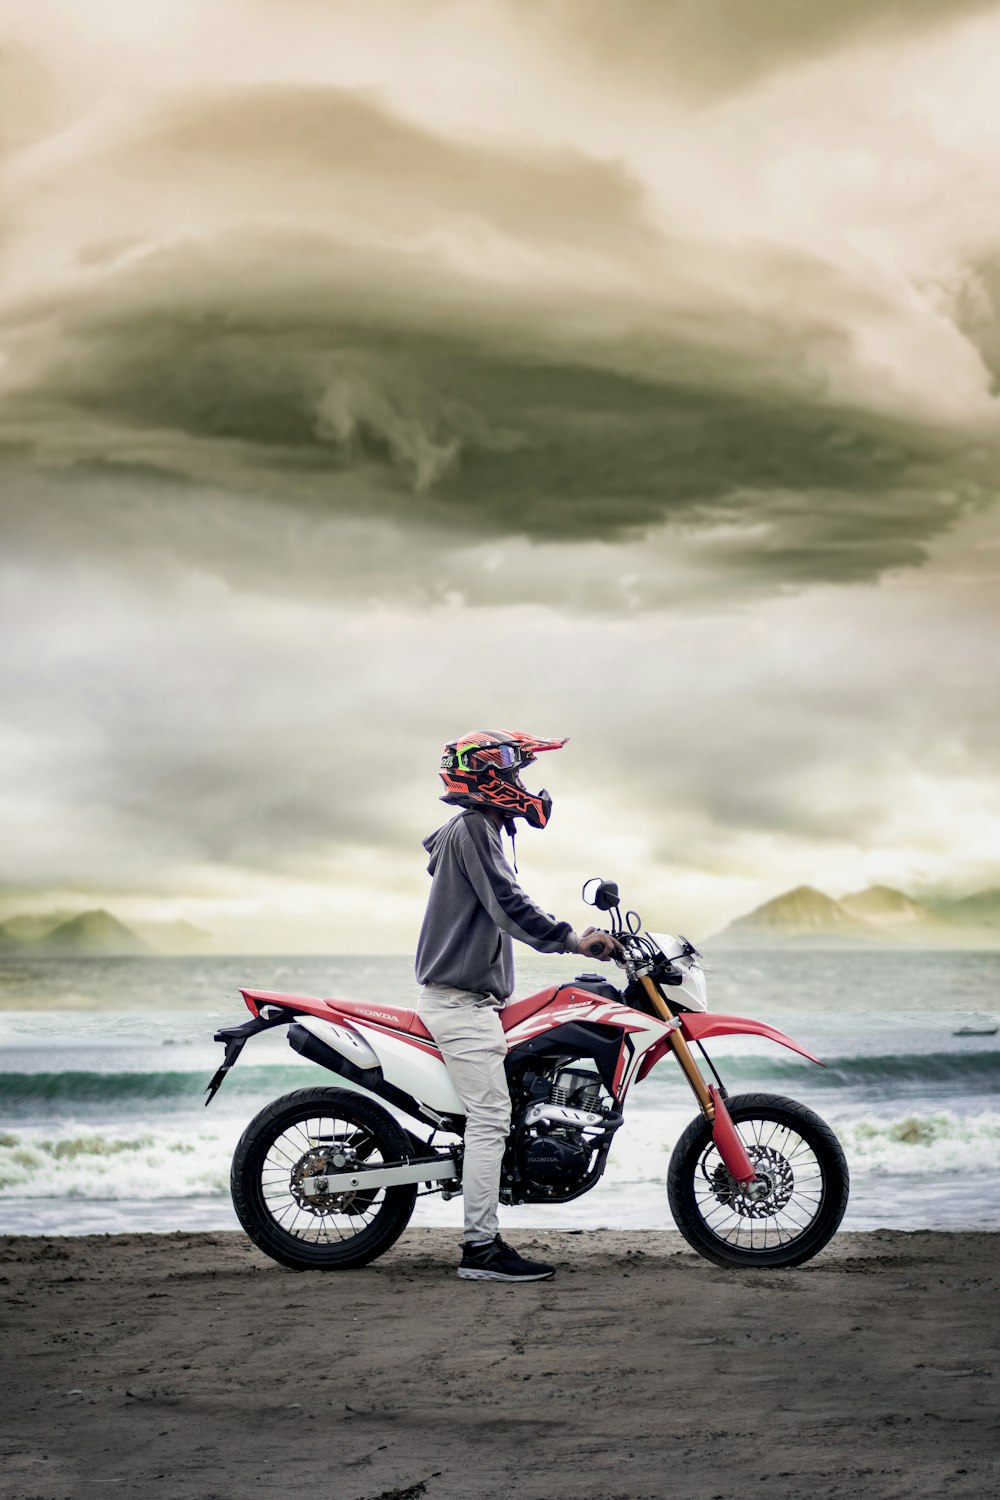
772 1169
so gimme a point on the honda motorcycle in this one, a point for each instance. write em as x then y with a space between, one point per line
327 1178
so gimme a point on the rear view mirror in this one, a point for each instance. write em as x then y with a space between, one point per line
604 897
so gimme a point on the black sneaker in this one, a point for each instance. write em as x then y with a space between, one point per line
498 1262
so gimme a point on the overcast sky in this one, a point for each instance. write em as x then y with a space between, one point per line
370 372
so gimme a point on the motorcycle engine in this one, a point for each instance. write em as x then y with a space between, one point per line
555 1151
553 1160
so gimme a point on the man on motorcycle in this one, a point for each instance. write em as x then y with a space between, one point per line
465 965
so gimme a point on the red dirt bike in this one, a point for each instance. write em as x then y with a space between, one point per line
326 1178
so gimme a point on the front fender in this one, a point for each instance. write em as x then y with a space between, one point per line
697 1026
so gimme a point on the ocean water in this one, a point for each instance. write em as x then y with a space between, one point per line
104 1062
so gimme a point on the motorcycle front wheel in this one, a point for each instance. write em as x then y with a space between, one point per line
794 1153
309 1134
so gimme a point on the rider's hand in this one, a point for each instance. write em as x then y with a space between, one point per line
589 939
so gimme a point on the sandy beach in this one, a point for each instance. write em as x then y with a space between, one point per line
189 1366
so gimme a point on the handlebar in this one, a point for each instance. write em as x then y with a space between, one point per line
634 946
636 952
631 955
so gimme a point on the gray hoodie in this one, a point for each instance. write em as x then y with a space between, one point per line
475 907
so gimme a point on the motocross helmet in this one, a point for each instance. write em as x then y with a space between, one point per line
480 770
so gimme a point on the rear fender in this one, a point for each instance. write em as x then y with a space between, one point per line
255 1000
234 1039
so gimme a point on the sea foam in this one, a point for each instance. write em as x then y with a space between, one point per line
83 1162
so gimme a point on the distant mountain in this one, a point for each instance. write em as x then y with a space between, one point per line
802 912
70 934
982 909
886 907
28 926
91 934
879 914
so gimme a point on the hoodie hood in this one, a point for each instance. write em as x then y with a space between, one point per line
435 842
432 843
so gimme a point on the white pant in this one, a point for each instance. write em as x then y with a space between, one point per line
466 1026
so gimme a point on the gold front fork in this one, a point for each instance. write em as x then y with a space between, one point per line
680 1049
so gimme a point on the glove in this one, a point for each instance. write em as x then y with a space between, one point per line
598 944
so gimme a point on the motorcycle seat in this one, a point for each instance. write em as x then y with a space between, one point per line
406 1019
399 1017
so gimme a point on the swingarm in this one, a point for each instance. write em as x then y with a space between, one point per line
427 1169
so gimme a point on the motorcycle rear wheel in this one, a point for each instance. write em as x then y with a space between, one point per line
795 1152
289 1142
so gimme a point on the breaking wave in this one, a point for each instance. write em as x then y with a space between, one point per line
151 1164
109 1089
962 1070
158 1163
923 1144
914 1144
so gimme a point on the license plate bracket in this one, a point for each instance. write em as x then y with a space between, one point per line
235 1038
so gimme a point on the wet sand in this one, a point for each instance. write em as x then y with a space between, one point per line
190 1367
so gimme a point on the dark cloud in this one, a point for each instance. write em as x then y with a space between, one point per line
709 47
474 440
343 371
351 365
477 441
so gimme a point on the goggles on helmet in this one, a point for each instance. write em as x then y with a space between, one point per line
503 756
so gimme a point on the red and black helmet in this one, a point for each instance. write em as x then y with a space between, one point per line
480 770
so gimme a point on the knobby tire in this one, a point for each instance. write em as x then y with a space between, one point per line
684 1168
248 1195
